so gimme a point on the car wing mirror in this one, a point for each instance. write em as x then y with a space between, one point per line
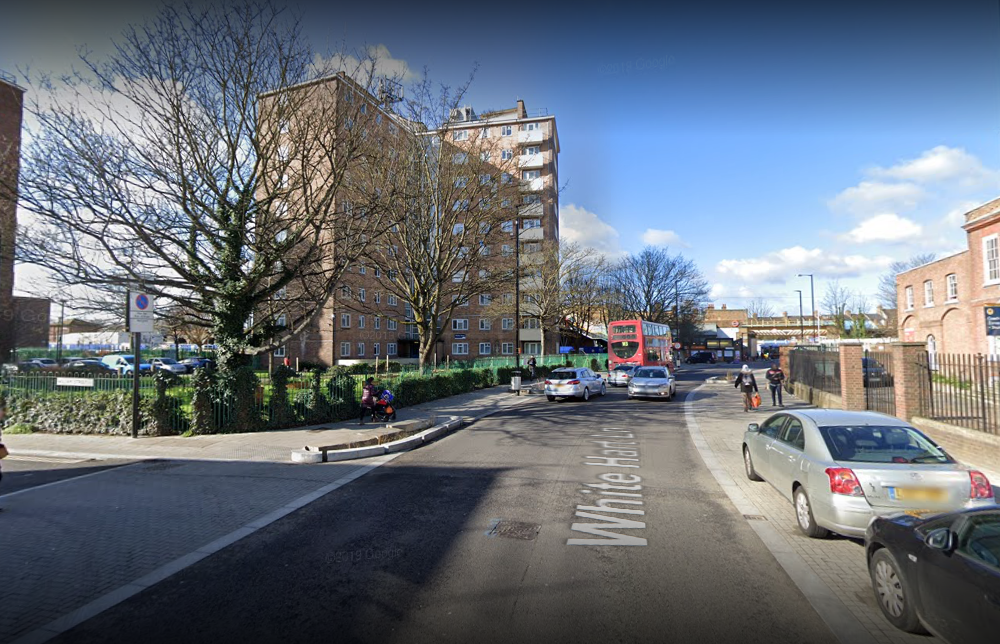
753 427
941 539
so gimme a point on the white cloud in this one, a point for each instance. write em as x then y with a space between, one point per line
778 266
940 163
587 229
956 216
656 237
887 227
360 70
720 291
869 197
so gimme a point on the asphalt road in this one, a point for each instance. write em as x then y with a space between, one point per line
471 539
21 472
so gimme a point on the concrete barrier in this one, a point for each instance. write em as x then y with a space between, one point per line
333 455
327 453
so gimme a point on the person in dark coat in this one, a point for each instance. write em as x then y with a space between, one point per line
367 400
775 376
3 416
747 385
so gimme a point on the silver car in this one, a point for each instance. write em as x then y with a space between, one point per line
841 468
168 364
652 382
620 375
573 383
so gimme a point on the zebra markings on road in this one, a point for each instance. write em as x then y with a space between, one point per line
618 450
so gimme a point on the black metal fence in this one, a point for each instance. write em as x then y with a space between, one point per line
815 367
961 389
879 381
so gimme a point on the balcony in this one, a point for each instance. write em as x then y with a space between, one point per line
527 137
527 161
531 210
532 234
530 335
533 185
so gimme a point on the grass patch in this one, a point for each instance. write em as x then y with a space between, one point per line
20 428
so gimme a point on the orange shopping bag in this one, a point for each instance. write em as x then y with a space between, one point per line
755 400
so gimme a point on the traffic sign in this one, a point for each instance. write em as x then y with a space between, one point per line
736 322
677 345
140 313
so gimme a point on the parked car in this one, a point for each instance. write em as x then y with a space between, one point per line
168 364
620 375
701 357
875 374
45 363
86 365
652 382
125 364
841 468
570 382
190 364
20 367
939 572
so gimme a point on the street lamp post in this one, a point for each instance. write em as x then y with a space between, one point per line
802 330
62 318
812 299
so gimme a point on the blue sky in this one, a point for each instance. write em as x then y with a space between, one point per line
761 141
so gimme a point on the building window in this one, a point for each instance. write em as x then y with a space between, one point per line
391 324
508 298
485 324
378 272
530 323
408 312
458 277
508 324
461 182
506 155
390 349
506 250
530 199
362 269
375 349
279 352
345 320
485 133
507 227
506 178
928 293
361 321
460 348
506 130
507 348
531 223
909 298
531 126
459 158
459 324
378 323
532 348
393 301
282 321
378 297
952 287
485 299
458 229
345 349
485 349
361 348
460 135
991 259
532 149
345 292
361 295
528 175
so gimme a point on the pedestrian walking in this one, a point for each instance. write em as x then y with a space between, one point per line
747 385
531 367
775 376
367 400
3 449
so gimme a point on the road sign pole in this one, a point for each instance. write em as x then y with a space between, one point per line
136 349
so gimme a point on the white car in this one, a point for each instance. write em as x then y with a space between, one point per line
168 364
571 382
652 382
620 375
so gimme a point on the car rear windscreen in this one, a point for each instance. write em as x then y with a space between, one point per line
881 444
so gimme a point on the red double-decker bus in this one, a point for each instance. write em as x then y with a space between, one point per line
637 342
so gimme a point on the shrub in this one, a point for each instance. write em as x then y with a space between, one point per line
19 428
280 413
238 400
164 408
102 412
317 406
202 416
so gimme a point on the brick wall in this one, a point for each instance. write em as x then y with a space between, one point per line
852 382
11 98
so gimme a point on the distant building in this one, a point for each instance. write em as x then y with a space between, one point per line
11 110
31 322
953 304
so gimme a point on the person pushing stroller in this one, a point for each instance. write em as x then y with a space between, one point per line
747 385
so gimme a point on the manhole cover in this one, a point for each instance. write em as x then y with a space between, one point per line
513 529
754 517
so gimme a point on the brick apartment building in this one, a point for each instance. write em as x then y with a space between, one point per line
946 303
364 320
11 108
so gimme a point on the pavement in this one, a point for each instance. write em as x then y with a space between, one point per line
268 446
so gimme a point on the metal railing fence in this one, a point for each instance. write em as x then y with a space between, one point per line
879 382
961 389
815 367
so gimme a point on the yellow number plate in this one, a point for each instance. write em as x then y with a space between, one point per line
917 494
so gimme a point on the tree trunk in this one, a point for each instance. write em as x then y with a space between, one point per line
541 327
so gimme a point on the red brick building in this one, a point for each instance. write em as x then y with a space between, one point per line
11 108
945 303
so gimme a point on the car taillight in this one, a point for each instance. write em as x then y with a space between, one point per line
981 488
548 382
573 382
843 481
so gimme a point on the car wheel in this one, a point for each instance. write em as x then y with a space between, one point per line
551 398
604 390
748 465
804 516
586 393
893 593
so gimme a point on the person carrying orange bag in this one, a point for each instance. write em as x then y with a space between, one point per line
747 384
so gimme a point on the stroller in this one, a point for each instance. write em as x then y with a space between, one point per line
383 410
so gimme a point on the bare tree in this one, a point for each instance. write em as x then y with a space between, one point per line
452 205
582 285
836 302
198 164
859 315
759 307
887 295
